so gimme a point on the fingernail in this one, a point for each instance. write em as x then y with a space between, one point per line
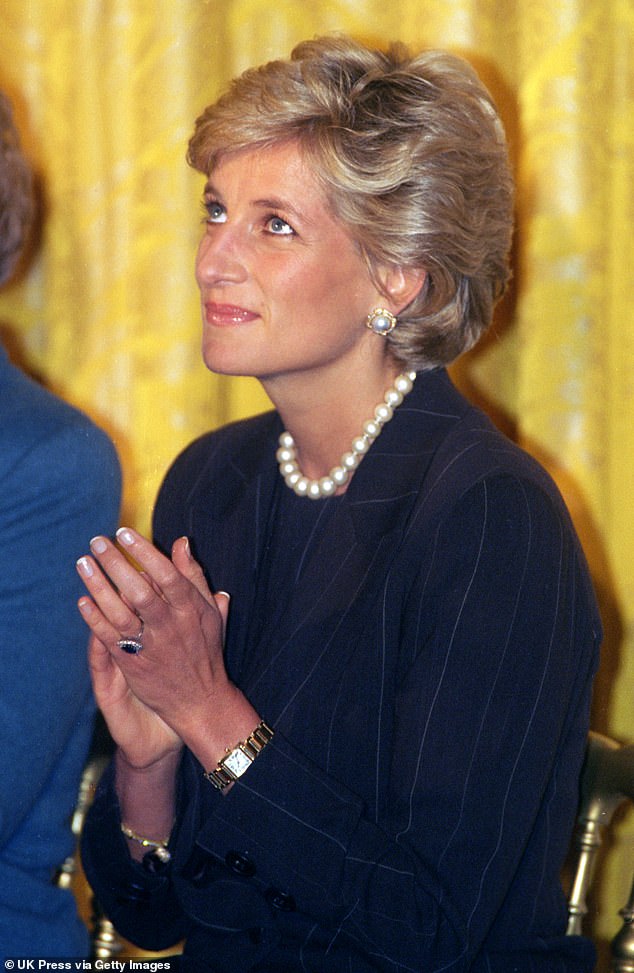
188 551
225 593
85 567
125 536
98 545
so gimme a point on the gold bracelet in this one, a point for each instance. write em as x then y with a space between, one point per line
236 761
158 848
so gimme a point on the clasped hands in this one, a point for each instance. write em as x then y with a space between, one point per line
176 690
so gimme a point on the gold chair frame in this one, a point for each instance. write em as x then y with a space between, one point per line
105 943
607 782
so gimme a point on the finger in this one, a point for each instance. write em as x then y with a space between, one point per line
98 655
106 613
138 590
125 574
101 664
222 600
176 589
185 563
152 583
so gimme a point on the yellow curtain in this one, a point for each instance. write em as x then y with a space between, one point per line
107 313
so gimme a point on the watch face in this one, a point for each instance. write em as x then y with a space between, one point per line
237 762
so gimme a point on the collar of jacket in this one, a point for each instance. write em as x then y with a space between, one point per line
387 482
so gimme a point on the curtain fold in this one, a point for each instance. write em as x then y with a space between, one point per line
106 311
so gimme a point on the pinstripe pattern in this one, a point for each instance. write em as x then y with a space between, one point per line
426 658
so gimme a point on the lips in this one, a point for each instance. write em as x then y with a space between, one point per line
225 315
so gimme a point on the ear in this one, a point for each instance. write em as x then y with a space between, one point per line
400 285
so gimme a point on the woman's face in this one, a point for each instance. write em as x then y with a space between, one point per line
284 290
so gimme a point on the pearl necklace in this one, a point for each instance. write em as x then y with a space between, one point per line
339 475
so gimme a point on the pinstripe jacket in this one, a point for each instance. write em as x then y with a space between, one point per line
428 676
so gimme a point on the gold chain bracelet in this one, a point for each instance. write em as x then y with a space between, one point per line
158 848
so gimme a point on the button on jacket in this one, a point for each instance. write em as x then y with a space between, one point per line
428 677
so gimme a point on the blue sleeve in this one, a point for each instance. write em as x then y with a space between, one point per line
57 491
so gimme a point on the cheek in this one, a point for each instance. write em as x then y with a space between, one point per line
336 279
198 262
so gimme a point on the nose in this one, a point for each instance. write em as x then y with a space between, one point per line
220 259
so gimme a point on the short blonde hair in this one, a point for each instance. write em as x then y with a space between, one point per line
16 193
412 156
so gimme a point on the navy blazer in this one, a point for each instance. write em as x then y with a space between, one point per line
428 675
59 486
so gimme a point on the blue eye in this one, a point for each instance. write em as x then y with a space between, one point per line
279 227
215 212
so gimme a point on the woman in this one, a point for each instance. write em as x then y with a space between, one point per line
365 755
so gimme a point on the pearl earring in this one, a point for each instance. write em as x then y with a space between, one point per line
381 321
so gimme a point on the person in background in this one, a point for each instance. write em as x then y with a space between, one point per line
59 478
367 759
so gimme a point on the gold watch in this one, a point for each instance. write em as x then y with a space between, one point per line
237 760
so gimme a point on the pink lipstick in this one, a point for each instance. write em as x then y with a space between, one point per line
224 315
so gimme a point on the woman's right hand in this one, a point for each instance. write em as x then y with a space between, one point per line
142 736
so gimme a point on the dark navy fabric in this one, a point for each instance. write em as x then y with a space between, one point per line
426 660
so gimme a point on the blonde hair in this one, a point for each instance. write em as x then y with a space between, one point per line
412 156
16 193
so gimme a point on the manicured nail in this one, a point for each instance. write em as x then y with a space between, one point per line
85 567
98 545
125 536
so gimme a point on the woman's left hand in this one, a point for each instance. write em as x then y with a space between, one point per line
180 672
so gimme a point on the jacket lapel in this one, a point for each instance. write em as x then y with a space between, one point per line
347 565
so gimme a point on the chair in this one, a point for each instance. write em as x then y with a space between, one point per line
105 943
607 782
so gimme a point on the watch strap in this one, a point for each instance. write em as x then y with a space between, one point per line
224 774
